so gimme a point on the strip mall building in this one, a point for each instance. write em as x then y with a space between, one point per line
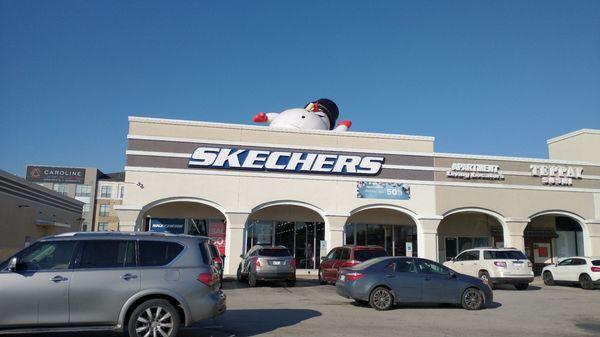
314 190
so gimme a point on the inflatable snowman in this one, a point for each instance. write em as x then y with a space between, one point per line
318 115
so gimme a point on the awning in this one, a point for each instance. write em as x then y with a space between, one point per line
50 223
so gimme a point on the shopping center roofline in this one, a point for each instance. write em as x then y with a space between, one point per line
266 128
572 134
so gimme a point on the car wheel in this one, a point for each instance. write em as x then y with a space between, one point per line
522 286
381 299
154 318
238 275
321 279
251 280
472 299
548 278
586 282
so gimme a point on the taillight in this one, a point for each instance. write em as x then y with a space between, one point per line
596 269
256 262
207 278
529 265
217 259
354 276
350 263
500 264
293 262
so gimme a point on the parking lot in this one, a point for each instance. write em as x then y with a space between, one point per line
310 309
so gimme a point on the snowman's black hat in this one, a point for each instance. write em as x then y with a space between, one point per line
329 108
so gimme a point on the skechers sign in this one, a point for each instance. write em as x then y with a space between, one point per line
286 161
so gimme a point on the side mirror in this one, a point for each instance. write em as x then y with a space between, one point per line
452 274
323 258
242 256
223 256
12 264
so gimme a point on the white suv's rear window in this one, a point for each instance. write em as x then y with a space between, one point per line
503 255
596 262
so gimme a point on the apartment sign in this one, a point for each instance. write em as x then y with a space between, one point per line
556 175
474 172
48 174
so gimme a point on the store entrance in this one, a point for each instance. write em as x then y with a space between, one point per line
299 229
392 230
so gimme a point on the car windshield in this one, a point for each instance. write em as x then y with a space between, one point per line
273 252
504 255
364 254
596 262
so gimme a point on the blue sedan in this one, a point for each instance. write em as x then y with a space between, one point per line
385 281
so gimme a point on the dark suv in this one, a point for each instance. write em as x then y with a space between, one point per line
344 257
146 284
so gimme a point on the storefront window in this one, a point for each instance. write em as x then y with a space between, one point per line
301 238
398 240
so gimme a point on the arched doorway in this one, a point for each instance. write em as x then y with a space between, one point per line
553 235
469 228
297 227
184 216
392 229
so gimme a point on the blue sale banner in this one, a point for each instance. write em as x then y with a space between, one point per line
163 225
373 190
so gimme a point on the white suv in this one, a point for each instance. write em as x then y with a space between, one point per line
582 270
497 265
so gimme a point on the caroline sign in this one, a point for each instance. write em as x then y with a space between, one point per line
286 161
556 175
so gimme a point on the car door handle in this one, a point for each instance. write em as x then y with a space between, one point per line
389 275
128 277
58 278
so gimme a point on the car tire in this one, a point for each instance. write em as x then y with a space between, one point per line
381 299
321 279
152 316
586 282
522 286
472 299
239 275
548 278
251 280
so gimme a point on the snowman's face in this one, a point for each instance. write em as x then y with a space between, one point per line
301 119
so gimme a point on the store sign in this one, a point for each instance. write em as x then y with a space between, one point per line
556 175
374 190
162 225
474 171
217 234
47 174
285 161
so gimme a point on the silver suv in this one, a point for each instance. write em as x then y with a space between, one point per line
146 284
267 263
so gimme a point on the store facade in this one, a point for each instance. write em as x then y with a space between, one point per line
314 190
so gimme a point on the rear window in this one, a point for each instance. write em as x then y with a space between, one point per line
503 255
157 253
364 255
273 252
596 262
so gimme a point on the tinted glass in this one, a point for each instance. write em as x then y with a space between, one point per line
468 256
364 255
107 254
47 256
157 253
213 251
205 251
345 254
566 262
503 255
273 252
596 262
428 267
406 266
578 262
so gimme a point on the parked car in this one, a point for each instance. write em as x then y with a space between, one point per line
584 271
141 283
344 257
497 265
385 281
267 263
218 261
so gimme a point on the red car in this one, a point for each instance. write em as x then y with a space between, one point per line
346 256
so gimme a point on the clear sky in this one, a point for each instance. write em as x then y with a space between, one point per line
483 77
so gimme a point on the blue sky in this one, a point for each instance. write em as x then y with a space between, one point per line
483 77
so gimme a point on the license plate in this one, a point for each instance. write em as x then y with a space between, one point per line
276 263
